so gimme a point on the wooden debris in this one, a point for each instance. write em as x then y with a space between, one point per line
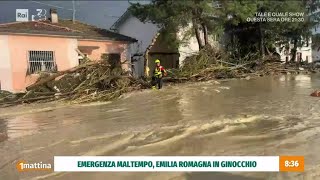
92 81
97 81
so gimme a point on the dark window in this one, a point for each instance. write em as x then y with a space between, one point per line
112 59
41 61
81 59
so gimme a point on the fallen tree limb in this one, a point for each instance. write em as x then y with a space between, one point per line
29 100
60 73
227 62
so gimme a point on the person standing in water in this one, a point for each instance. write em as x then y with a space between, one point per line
158 73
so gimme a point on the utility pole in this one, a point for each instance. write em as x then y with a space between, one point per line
73 12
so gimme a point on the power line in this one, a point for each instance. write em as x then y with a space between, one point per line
67 8
111 16
50 5
73 9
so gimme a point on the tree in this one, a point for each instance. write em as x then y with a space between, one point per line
245 37
243 34
171 16
261 36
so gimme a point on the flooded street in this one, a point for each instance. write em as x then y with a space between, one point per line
264 116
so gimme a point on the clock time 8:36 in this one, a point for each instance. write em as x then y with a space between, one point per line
291 163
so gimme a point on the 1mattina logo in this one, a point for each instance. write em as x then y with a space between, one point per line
22 15
24 166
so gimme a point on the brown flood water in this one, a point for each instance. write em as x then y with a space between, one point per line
264 116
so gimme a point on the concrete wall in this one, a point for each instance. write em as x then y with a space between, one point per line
64 52
143 32
5 65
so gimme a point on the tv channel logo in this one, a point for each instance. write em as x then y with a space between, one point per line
41 15
22 15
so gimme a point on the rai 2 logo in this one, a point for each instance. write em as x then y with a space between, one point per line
22 15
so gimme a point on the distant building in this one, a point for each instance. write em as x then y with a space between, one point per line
304 51
28 48
143 32
151 45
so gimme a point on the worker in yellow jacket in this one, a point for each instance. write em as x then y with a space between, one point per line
158 73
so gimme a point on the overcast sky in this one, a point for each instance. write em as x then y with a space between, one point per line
100 13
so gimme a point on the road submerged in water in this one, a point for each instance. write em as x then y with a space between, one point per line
263 116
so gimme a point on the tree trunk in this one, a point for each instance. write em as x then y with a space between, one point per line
268 51
205 34
232 41
262 50
146 55
198 36
294 50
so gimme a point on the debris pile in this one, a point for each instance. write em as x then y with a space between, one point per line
101 81
206 58
91 81
214 64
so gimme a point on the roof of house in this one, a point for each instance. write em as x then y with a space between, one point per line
64 28
123 18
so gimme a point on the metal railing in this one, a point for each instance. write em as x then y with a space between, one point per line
41 61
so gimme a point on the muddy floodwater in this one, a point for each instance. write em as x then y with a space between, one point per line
264 116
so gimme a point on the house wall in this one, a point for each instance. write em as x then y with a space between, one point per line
143 32
188 49
168 55
72 53
5 65
108 47
306 52
190 45
168 61
64 50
